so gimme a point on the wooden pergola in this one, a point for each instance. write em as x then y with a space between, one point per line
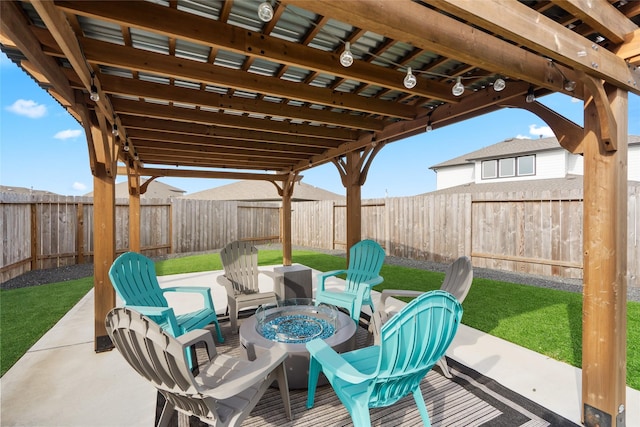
216 89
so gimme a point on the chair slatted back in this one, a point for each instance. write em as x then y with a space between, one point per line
458 278
240 262
150 350
365 261
134 278
412 341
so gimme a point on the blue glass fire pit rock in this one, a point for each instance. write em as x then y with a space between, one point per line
296 329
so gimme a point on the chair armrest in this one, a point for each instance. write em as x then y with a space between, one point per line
251 374
165 313
386 293
374 281
323 276
196 336
331 361
202 290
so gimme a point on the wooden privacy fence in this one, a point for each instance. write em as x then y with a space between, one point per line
521 231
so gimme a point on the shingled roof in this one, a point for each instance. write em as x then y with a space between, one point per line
263 191
511 147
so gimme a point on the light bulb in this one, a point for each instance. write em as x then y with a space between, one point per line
346 58
429 126
95 97
531 97
410 80
569 85
265 11
458 88
499 84
126 146
114 131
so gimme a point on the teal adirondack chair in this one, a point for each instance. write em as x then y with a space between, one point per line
363 273
134 278
412 341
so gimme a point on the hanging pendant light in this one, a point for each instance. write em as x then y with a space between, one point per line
93 94
265 11
499 84
410 80
429 126
346 57
569 85
458 88
531 97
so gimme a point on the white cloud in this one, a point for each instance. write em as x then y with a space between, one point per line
68 134
540 131
523 137
78 186
28 108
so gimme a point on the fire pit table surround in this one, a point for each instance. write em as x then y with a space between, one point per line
290 324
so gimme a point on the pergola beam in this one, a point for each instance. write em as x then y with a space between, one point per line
185 129
144 109
194 173
601 16
546 37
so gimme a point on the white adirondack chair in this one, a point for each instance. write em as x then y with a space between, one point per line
240 279
457 281
225 390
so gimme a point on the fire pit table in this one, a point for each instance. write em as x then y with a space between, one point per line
291 324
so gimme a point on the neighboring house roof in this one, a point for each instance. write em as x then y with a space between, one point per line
570 182
510 147
155 190
250 190
24 190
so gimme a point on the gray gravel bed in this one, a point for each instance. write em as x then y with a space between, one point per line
53 275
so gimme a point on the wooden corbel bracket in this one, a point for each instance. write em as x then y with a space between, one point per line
568 133
606 118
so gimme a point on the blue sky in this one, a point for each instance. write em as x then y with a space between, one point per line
44 148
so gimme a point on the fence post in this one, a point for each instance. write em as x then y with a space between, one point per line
34 237
80 233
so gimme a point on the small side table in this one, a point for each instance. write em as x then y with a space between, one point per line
297 281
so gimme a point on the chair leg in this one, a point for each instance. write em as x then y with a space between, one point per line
283 385
442 363
218 331
167 411
233 314
360 415
422 408
314 373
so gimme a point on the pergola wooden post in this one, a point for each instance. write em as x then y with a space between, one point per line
353 169
604 315
134 213
286 192
104 214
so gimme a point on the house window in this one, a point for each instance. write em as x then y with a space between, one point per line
489 169
507 167
526 165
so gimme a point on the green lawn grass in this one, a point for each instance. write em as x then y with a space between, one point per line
27 313
544 320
